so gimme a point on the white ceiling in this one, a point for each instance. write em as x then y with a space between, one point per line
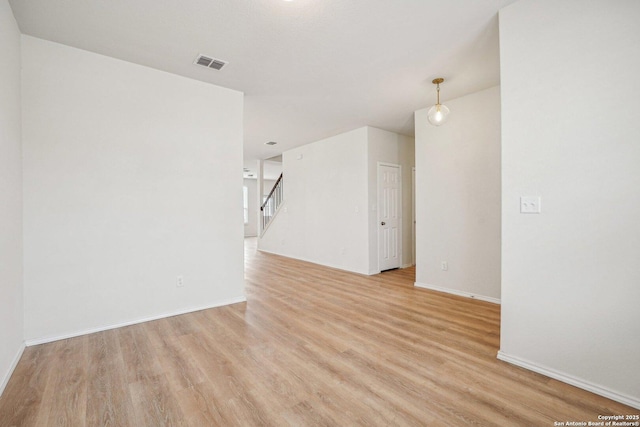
309 69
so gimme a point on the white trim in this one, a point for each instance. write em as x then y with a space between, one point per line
577 382
413 215
406 265
457 292
44 340
317 263
12 368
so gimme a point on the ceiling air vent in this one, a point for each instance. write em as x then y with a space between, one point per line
270 143
209 62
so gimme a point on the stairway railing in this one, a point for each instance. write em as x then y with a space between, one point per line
272 203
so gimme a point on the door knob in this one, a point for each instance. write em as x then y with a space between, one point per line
382 223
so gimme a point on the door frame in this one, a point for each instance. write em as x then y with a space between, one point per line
400 200
413 215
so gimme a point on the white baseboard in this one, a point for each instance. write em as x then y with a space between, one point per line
366 273
12 367
577 382
44 340
317 263
457 292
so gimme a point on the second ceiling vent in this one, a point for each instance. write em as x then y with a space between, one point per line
209 62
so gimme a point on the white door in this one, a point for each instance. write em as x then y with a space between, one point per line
389 217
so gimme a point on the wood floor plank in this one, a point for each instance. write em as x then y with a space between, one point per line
155 403
312 346
338 389
66 394
108 400
177 363
21 403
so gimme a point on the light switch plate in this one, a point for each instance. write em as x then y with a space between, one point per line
530 204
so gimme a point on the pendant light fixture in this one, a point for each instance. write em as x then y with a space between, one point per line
439 113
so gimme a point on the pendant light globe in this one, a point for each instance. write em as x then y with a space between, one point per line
438 114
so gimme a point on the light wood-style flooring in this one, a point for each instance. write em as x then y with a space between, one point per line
312 346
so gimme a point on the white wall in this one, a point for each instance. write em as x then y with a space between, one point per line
324 218
458 198
390 147
11 289
267 186
571 135
329 216
131 178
